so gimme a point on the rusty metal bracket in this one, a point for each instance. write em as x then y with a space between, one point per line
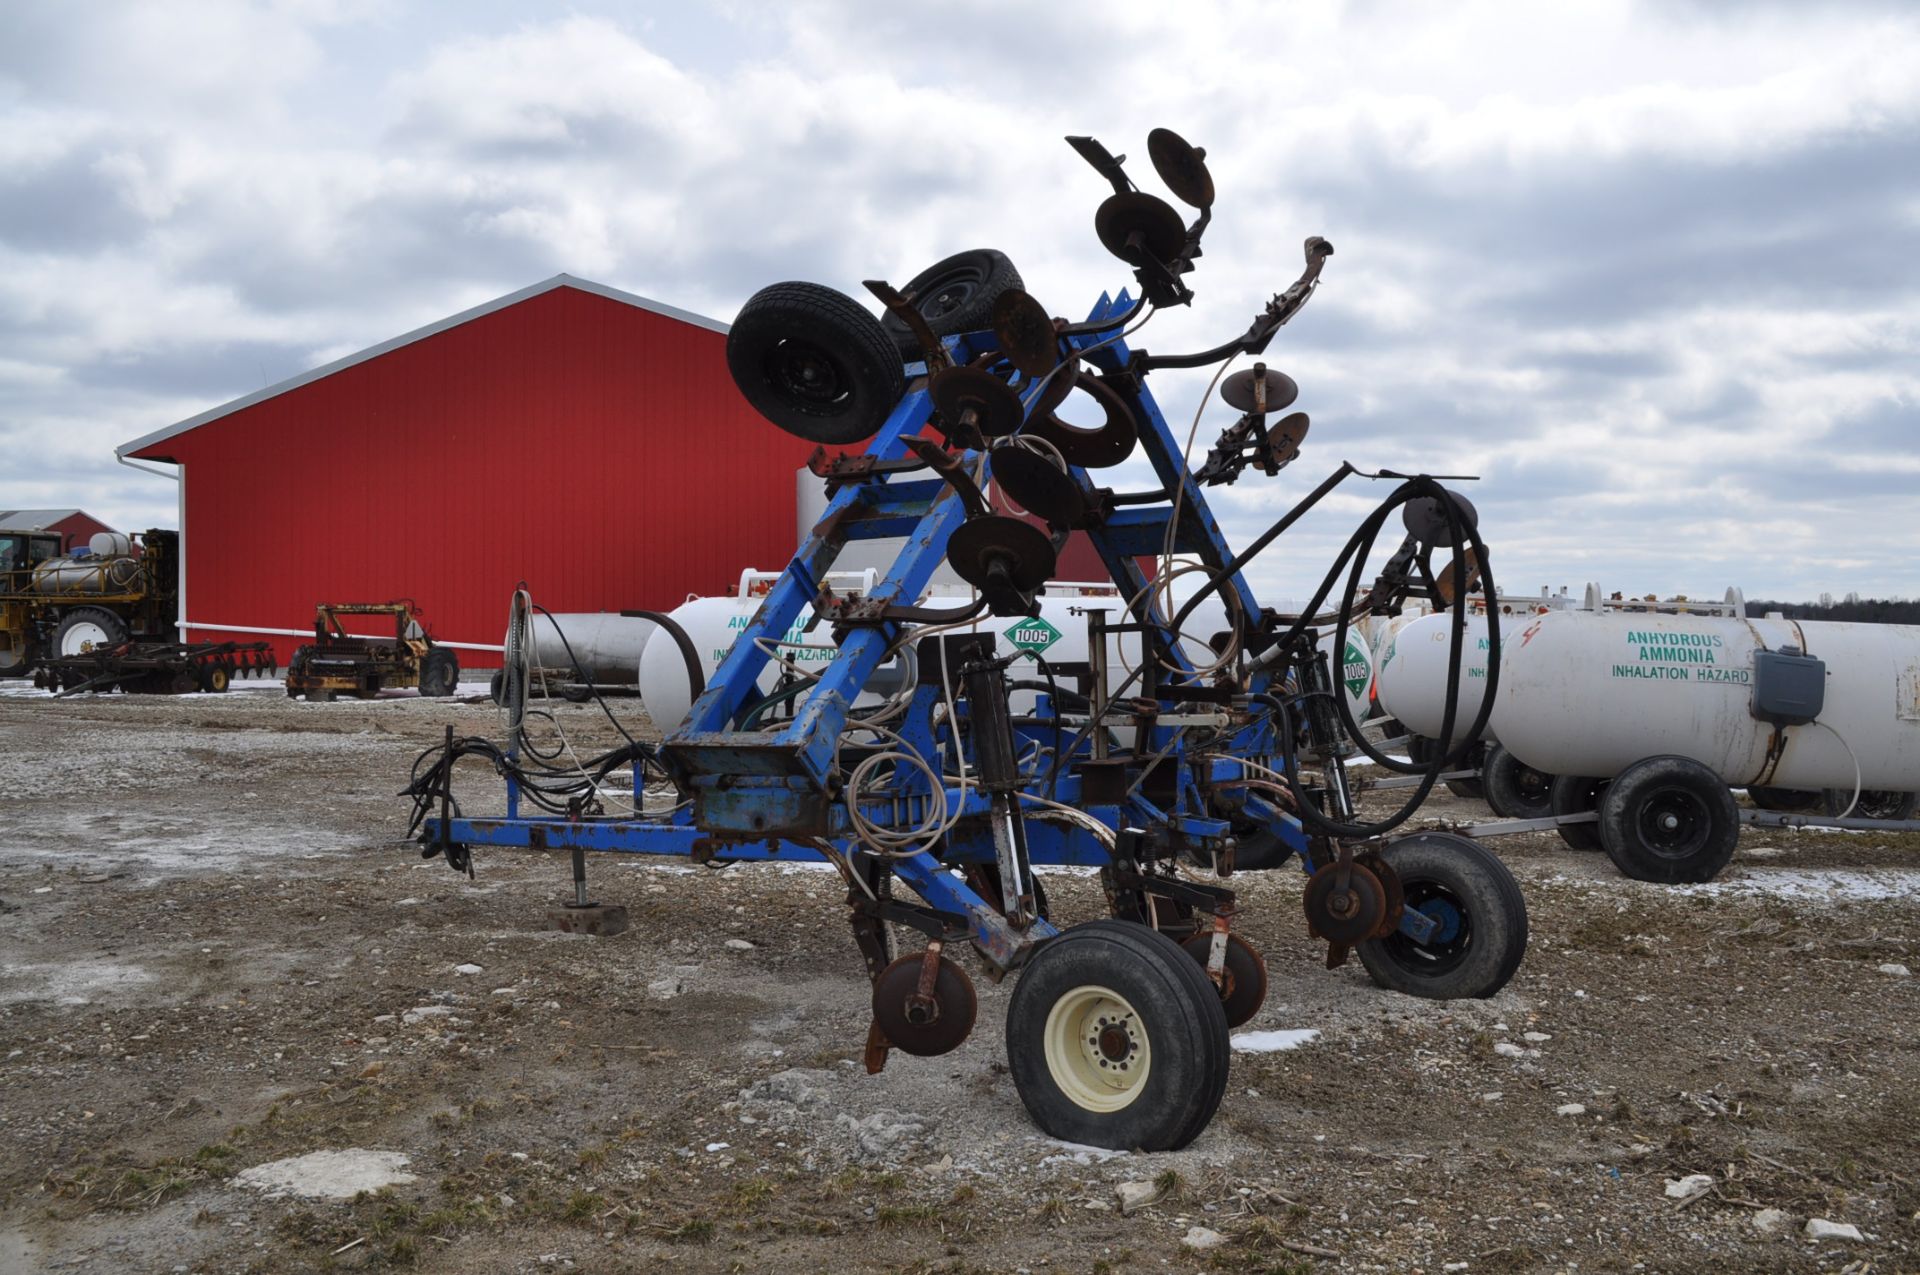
901 307
844 470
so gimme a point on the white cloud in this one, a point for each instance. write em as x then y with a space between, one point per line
1622 260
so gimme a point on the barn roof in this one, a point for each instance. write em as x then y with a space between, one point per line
374 351
33 519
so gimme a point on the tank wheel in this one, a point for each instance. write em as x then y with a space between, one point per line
1792 801
86 629
17 661
955 295
214 678
1576 795
439 672
815 362
1481 916
1873 803
1669 819
1515 790
1243 989
1116 1038
497 687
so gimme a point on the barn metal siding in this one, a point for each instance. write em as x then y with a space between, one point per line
593 449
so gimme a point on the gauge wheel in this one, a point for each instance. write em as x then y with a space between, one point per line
1669 820
1116 1038
213 678
815 362
1480 916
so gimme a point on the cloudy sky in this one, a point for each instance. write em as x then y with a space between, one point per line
1652 272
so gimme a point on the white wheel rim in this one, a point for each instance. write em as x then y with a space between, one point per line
1097 1048
82 637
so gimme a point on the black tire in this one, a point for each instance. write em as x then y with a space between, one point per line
1515 790
497 687
19 661
1669 820
1483 916
1176 1019
815 362
85 628
954 296
213 678
1576 795
1792 801
439 672
1873 804
1467 789
1420 749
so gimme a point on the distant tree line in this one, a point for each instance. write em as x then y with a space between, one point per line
1852 607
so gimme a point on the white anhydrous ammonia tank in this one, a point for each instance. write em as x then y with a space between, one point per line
607 645
1412 672
1058 634
1590 693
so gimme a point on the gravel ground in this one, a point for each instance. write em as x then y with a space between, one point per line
216 956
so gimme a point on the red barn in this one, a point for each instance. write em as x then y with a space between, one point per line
74 526
581 439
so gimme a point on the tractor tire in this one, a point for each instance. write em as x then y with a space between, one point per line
18 661
213 678
439 672
954 296
815 362
85 629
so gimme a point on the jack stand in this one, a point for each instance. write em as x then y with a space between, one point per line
582 916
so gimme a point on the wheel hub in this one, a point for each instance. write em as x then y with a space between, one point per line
1674 824
1097 1048
807 372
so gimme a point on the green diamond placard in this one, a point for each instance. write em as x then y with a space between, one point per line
1356 674
1034 635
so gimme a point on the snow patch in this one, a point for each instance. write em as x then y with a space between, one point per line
328 1175
1269 1042
1835 884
